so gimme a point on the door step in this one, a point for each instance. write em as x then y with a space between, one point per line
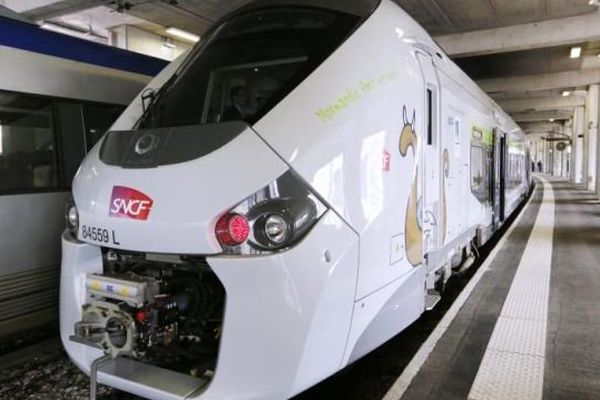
431 299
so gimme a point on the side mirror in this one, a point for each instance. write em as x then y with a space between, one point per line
148 96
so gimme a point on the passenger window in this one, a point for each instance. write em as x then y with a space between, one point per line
97 120
456 125
429 116
70 125
477 168
481 166
28 158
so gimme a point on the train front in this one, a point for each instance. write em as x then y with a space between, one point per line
196 262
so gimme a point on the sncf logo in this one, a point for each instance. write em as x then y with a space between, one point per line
129 203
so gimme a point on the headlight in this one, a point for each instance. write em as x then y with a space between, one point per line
276 229
72 218
275 218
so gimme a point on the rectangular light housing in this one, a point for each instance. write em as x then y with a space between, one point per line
183 35
575 52
566 93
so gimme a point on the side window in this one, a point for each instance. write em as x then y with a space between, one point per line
70 125
97 120
477 169
456 125
481 166
28 159
429 116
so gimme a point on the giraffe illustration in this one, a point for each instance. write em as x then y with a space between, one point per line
413 232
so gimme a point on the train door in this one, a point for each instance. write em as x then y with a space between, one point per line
499 175
431 160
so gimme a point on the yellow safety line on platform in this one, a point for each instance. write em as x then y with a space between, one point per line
513 364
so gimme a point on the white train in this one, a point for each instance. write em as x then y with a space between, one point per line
58 95
297 193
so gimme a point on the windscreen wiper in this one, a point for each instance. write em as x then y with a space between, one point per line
151 98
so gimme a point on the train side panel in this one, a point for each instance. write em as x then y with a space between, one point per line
41 74
462 114
346 140
358 143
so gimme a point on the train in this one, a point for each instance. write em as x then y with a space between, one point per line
58 95
295 192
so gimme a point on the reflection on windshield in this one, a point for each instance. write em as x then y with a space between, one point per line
247 65
238 92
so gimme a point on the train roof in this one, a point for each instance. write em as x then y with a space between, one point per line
24 36
361 8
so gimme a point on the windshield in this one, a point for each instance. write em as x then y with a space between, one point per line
248 65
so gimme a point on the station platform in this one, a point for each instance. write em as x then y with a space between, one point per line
527 326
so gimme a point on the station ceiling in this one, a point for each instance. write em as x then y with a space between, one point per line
458 25
441 17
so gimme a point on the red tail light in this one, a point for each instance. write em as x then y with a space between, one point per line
232 229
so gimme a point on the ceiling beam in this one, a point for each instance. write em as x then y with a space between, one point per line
532 83
542 126
167 15
541 116
500 96
62 7
541 103
556 32
8 13
549 136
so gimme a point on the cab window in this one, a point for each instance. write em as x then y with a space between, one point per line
247 65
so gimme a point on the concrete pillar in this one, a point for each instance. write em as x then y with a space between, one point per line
573 171
592 134
541 151
544 155
577 153
553 157
564 163
596 129
549 164
568 132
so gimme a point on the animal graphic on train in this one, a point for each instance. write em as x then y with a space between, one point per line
412 225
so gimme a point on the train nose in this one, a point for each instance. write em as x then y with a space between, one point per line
165 194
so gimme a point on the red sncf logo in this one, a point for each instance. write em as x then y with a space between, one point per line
129 203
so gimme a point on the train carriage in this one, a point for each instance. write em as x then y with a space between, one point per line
281 207
58 95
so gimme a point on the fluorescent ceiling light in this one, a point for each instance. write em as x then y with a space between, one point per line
575 52
566 93
187 36
551 119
